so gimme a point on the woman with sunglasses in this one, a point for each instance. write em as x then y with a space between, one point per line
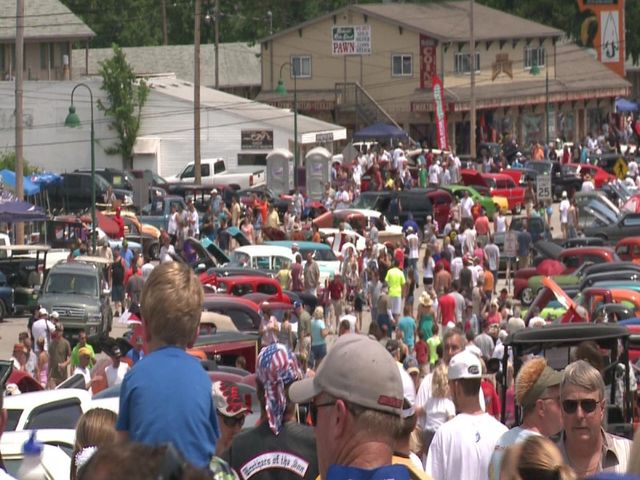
584 444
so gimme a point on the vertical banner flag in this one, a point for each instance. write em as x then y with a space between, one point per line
602 27
427 61
441 115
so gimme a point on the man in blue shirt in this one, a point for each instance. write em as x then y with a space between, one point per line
524 245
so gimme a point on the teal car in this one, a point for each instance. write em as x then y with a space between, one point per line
490 204
328 262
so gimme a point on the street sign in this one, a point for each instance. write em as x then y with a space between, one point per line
511 244
620 168
543 187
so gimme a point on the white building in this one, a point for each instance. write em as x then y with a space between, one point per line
165 142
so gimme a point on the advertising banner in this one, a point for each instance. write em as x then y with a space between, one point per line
351 40
427 60
441 115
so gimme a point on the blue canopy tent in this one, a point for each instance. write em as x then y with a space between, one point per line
623 105
380 130
13 210
9 181
45 179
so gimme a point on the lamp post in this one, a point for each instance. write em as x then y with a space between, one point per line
73 121
535 70
282 90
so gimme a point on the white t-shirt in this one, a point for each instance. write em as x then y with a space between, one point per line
414 245
115 375
501 224
564 211
164 253
85 372
172 226
408 387
439 410
587 186
434 173
511 437
462 447
39 329
352 322
466 204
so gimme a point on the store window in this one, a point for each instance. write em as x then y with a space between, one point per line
463 63
401 65
301 66
534 56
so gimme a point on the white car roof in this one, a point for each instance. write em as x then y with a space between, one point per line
30 400
265 250
365 211
57 436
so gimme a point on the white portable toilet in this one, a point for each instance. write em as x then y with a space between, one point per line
318 171
280 170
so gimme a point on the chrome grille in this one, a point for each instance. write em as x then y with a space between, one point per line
68 311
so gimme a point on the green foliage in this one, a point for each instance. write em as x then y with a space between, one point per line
8 161
132 23
125 99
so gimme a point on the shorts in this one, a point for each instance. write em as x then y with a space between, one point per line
318 352
396 305
383 321
117 293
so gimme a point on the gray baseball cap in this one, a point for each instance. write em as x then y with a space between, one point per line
356 369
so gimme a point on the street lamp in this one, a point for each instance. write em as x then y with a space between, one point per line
282 90
535 70
73 121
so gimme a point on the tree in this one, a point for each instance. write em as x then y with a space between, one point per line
8 161
125 98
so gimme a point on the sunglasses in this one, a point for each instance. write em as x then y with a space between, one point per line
588 405
231 422
313 410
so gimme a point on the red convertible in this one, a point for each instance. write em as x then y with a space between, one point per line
499 185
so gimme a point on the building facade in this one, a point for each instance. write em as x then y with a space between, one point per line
377 62
50 31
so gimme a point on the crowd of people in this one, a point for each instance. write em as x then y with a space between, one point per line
390 372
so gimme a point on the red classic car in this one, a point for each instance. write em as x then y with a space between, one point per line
499 184
599 176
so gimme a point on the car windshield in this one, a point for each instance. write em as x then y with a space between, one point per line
569 169
71 283
540 167
322 255
365 201
101 183
240 258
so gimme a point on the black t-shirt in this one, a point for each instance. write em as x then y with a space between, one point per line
258 454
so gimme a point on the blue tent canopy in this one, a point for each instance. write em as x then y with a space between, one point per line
380 130
45 179
9 181
624 105
13 210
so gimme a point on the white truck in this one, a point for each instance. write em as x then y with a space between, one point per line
214 172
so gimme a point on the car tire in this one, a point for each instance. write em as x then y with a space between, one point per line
527 296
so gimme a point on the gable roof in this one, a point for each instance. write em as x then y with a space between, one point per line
43 20
447 21
239 64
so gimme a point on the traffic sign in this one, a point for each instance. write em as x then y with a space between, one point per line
620 168
543 187
510 244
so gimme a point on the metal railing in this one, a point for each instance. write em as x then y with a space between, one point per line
353 101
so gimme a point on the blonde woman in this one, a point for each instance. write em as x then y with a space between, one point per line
439 408
96 428
539 458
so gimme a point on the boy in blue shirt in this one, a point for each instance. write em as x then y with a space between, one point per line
166 397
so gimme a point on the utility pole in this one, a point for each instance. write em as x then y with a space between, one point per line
19 227
196 93
165 29
472 87
216 29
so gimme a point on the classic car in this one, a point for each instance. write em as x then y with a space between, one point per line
491 204
499 184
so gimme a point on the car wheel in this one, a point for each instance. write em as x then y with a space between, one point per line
527 296
154 251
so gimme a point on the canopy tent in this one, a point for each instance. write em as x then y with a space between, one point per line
380 130
13 210
624 105
45 179
8 178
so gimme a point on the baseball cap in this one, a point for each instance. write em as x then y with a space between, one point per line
215 190
358 370
464 365
115 352
297 304
84 351
527 390
55 314
228 400
43 311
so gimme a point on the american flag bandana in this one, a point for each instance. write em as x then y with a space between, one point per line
277 369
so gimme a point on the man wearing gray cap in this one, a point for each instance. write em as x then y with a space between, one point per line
356 404
537 391
462 447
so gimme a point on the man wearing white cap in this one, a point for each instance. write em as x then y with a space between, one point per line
462 447
43 327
